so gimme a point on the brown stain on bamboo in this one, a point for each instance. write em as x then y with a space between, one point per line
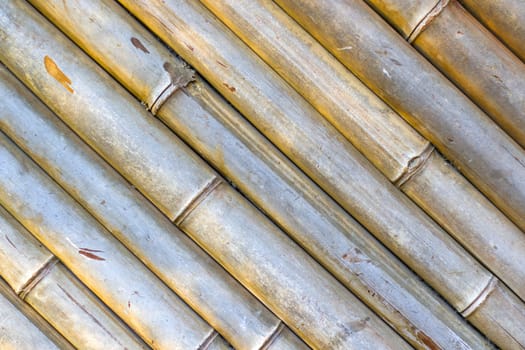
425 339
138 44
89 253
55 72
231 88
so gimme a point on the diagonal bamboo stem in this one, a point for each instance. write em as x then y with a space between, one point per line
273 268
471 57
422 96
505 18
392 145
171 255
204 121
94 256
56 294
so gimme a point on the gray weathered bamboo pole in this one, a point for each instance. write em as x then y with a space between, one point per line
45 284
466 136
96 258
214 129
34 317
170 254
274 269
380 134
505 18
17 332
468 54
319 150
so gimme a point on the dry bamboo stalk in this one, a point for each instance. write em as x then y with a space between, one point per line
278 272
469 56
56 294
17 332
301 133
219 133
420 94
170 254
34 317
380 134
96 258
505 18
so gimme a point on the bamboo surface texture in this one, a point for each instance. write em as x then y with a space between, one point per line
318 149
192 115
45 284
469 55
380 134
34 317
215 215
179 262
487 156
505 18
17 332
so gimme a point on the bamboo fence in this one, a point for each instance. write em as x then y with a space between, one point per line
402 155
408 315
321 152
466 136
467 54
216 216
36 276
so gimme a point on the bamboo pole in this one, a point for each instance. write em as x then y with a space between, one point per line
170 254
422 96
470 56
17 332
274 269
318 149
380 134
97 259
205 122
505 18
45 284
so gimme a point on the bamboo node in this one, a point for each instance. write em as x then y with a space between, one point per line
37 277
480 299
425 22
414 166
268 342
194 203
180 76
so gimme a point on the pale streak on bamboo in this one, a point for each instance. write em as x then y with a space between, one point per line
470 56
487 156
56 294
505 18
324 313
96 258
379 133
170 254
17 332
205 122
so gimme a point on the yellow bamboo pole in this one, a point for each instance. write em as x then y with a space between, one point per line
170 254
380 134
505 18
274 269
97 259
301 133
216 131
468 54
466 136
45 284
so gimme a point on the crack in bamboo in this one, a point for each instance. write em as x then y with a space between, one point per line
414 166
198 199
37 277
425 22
